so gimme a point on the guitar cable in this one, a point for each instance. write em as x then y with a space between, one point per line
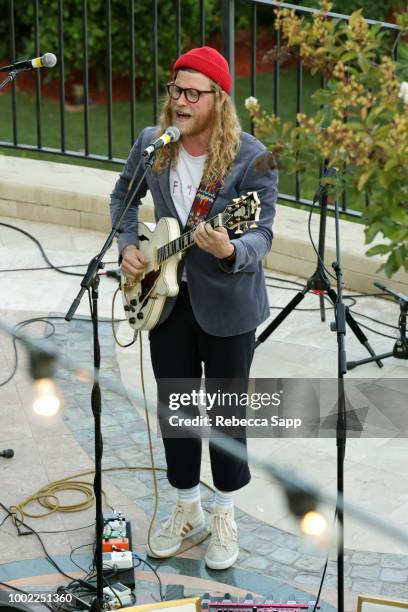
50 266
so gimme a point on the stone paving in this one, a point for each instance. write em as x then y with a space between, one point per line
265 550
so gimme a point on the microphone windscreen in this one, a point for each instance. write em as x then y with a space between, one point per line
173 132
49 60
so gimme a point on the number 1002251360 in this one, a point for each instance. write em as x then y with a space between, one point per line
38 598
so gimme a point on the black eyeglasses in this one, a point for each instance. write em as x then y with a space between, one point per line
192 95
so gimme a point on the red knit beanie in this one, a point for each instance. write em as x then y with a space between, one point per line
208 61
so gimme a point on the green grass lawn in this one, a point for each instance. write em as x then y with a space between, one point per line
74 123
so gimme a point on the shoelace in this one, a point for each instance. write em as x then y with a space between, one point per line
222 528
174 521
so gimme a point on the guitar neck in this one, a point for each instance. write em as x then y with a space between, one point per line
183 242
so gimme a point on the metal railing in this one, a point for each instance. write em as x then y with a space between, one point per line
227 10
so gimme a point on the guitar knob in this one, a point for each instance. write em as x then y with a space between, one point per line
133 302
126 308
140 315
132 320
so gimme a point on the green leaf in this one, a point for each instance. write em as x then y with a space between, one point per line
391 265
372 230
364 178
391 163
403 51
378 249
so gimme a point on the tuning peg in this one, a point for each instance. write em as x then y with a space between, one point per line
253 225
238 230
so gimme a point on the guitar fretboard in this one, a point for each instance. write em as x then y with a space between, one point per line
186 240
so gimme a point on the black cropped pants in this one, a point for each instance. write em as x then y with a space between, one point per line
181 349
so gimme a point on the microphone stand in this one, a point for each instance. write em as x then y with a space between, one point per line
400 349
339 326
90 282
11 77
319 283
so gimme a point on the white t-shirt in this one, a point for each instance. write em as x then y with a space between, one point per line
185 179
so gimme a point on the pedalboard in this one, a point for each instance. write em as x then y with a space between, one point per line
117 550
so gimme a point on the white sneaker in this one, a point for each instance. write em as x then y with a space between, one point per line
223 548
186 520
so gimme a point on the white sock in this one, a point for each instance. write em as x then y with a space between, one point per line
189 495
223 499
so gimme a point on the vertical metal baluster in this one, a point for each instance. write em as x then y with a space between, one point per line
202 23
13 59
85 74
253 54
132 71
37 75
155 64
228 38
299 97
178 27
109 73
61 72
323 166
276 90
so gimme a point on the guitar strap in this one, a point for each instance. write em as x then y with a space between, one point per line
203 203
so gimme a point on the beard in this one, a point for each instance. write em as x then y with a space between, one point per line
193 126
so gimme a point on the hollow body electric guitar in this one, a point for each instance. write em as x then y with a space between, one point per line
163 246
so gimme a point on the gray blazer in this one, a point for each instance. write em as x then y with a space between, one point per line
228 298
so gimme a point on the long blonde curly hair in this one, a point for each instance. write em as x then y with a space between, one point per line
224 141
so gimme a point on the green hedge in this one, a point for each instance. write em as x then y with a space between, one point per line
97 42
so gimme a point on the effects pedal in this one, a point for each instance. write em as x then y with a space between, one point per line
117 560
115 545
118 595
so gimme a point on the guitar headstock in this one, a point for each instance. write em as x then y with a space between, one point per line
243 213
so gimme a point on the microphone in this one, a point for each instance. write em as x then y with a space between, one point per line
172 134
323 187
9 453
48 60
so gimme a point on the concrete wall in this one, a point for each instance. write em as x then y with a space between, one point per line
79 197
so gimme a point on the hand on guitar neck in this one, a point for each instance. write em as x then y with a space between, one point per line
214 241
133 262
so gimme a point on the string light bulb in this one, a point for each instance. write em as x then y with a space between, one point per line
313 524
46 402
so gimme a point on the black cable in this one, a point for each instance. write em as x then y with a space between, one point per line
360 314
65 530
135 555
44 255
49 267
73 551
48 321
377 332
284 280
352 297
8 515
19 523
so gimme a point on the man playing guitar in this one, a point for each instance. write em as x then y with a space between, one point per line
209 327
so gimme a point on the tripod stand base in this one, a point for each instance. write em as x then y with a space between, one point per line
354 364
